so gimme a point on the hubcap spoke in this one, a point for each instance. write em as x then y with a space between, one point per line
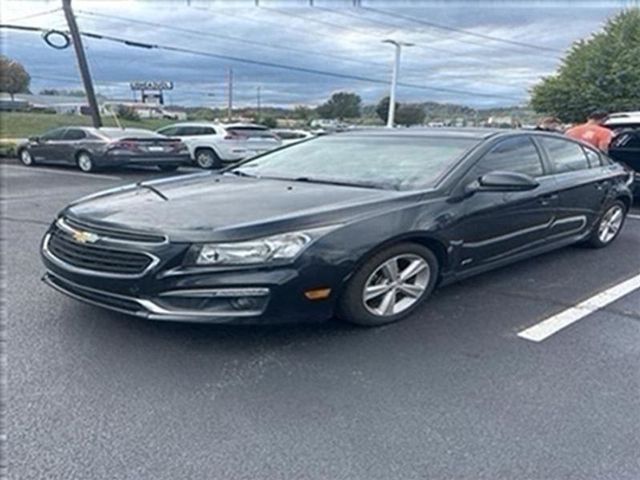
412 270
388 303
390 269
374 291
411 290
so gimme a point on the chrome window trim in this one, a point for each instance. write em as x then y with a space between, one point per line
96 273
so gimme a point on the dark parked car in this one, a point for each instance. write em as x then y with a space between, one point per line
94 148
363 225
625 148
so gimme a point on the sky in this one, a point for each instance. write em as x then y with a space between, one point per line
334 39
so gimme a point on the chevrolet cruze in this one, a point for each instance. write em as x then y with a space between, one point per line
361 226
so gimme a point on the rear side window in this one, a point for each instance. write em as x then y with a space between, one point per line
250 132
593 157
564 155
626 141
517 154
74 134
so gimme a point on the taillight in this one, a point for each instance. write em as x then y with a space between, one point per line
124 145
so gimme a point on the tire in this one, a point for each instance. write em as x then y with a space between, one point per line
388 299
85 162
26 158
608 226
168 168
207 159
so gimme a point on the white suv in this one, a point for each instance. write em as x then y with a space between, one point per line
211 145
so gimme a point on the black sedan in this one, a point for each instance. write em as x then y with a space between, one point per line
361 225
625 148
94 148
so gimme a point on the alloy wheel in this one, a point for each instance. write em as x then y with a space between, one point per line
396 285
26 158
204 159
610 224
84 162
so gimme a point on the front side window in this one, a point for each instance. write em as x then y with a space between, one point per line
401 162
55 134
564 155
168 131
517 154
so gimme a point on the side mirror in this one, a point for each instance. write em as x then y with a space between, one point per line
499 181
34 139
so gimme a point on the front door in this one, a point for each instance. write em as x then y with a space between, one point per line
496 225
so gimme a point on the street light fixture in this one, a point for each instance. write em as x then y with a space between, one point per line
394 78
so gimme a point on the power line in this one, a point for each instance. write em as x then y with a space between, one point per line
34 15
199 33
281 66
463 31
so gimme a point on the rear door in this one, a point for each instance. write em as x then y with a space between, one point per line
71 141
497 225
625 148
583 183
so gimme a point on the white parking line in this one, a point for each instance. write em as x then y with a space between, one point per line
635 217
554 324
91 176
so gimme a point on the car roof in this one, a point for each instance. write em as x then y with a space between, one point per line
215 124
622 118
477 133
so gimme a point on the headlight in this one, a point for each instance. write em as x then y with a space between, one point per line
285 246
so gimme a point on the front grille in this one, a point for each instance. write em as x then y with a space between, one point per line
127 236
97 258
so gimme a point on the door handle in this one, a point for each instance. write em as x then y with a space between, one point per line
548 199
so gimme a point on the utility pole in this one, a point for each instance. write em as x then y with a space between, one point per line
394 79
82 63
230 94
259 104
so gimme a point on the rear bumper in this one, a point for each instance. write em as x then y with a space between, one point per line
121 160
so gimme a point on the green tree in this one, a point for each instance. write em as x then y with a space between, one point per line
382 109
267 121
13 77
302 113
341 105
602 72
409 114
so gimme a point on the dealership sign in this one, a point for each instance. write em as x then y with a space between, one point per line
151 85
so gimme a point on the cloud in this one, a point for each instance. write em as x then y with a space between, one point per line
331 37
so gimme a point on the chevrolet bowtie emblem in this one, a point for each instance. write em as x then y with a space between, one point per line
85 237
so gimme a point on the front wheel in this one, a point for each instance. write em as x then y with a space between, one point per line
85 162
609 225
26 158
390 285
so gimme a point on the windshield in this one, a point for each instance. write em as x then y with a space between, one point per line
386 161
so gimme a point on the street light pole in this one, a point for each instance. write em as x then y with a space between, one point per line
394 79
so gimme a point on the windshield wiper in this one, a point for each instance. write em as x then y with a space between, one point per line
154 190
240 173
335 182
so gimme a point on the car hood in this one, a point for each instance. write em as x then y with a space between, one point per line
209 206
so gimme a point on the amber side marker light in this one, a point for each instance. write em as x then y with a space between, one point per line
318 293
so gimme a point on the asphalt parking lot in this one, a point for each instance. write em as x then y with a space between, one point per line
452 392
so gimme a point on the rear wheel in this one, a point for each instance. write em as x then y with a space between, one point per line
390 285
85 162
26 158
609 225
168 168
207 159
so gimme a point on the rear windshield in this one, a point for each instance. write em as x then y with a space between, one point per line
385 161
251 132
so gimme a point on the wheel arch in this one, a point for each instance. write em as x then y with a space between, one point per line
438 248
